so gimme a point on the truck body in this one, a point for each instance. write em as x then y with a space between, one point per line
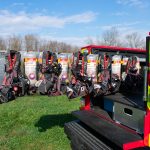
115 121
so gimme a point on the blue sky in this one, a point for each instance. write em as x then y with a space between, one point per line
73 21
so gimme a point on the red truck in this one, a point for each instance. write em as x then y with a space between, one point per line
115 121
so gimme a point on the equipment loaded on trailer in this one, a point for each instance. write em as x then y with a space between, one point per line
115 114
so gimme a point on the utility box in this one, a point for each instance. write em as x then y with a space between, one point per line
108 105
129 116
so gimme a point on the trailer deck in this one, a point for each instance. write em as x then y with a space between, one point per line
130 99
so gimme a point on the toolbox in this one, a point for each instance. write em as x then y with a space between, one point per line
129 116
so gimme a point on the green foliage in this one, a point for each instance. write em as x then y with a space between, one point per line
36 123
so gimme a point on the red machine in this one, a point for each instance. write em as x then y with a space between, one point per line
121 120
80 83
49 83
14 82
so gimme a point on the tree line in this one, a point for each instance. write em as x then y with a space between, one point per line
111 37
32 42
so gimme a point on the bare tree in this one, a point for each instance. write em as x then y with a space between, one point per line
15 42
43 45
98 41
2 44
53 45
111 37
31 42
134 40
34 43
89 41
48 45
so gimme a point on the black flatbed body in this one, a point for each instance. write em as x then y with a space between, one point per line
107 128
130 99
82 138
100 124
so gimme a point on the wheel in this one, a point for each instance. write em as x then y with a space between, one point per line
3 99
63 88
6 95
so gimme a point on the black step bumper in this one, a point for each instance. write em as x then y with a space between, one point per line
81 139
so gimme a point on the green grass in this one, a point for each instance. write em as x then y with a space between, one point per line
35 123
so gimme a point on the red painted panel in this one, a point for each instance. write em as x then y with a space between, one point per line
133 145
147 127
87 103
114 48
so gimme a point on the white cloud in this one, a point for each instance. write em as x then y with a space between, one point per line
127 28
81 18
136 3
121 26
17 4
83 41
120 14
23 22
72 40
75 41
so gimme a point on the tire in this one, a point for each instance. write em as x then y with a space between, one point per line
3 99
63 88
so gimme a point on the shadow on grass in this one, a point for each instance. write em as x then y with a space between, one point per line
49 121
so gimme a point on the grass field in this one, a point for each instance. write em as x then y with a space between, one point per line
35 123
